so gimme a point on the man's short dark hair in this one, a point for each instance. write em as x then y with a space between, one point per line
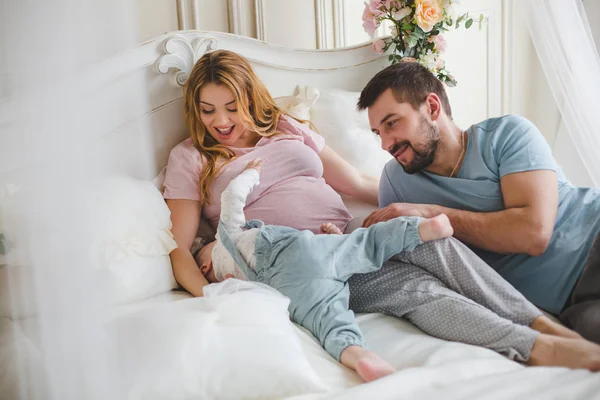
410 83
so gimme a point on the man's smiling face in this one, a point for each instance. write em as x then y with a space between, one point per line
407 134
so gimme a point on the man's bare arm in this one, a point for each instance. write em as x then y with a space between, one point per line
525 226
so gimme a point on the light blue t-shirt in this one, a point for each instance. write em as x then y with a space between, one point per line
498 147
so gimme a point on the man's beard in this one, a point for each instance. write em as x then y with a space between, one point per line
424 156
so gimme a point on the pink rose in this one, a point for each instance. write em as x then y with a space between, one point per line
379 46
387 4
428 13
396 4
439 41
376 7
370 22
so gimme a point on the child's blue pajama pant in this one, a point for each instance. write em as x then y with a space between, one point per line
312 270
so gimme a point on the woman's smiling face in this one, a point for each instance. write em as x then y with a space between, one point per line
219 113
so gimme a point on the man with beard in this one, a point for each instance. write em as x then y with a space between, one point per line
497 181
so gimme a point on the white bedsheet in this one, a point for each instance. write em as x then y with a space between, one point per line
428 368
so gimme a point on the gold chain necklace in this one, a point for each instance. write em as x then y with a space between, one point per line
462 152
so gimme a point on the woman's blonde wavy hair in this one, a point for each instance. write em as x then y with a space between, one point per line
256 108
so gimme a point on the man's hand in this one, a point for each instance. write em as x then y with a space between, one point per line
396 210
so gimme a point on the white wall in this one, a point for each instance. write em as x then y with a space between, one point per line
155 17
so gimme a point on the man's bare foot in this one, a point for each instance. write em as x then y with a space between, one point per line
435 228
554 351
330 229
545 325
367 364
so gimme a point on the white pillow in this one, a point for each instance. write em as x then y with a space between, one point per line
235 343
132 238
298 105
347 130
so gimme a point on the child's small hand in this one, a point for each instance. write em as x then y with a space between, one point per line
255 164
330 229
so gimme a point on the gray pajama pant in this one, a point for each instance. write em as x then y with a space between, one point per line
443 288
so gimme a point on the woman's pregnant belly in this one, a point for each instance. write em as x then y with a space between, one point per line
301 203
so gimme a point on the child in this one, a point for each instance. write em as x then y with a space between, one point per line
312 270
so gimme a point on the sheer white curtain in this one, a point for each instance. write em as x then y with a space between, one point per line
563 39
46 161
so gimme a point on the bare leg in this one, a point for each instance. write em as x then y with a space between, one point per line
429 229
435 228
545 325
366 363
557 351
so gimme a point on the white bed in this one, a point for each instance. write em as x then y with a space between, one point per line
135 130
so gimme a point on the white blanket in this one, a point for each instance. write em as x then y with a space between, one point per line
428 368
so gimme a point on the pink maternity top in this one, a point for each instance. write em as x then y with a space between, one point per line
292 191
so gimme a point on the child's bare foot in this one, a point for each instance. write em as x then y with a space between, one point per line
367 364
371 367
556 351
545 325
435 228
330 229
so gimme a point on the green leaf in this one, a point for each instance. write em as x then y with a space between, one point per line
406 27
391 57
412 41
469 23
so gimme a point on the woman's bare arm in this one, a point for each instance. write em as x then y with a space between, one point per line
345 178
185 216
